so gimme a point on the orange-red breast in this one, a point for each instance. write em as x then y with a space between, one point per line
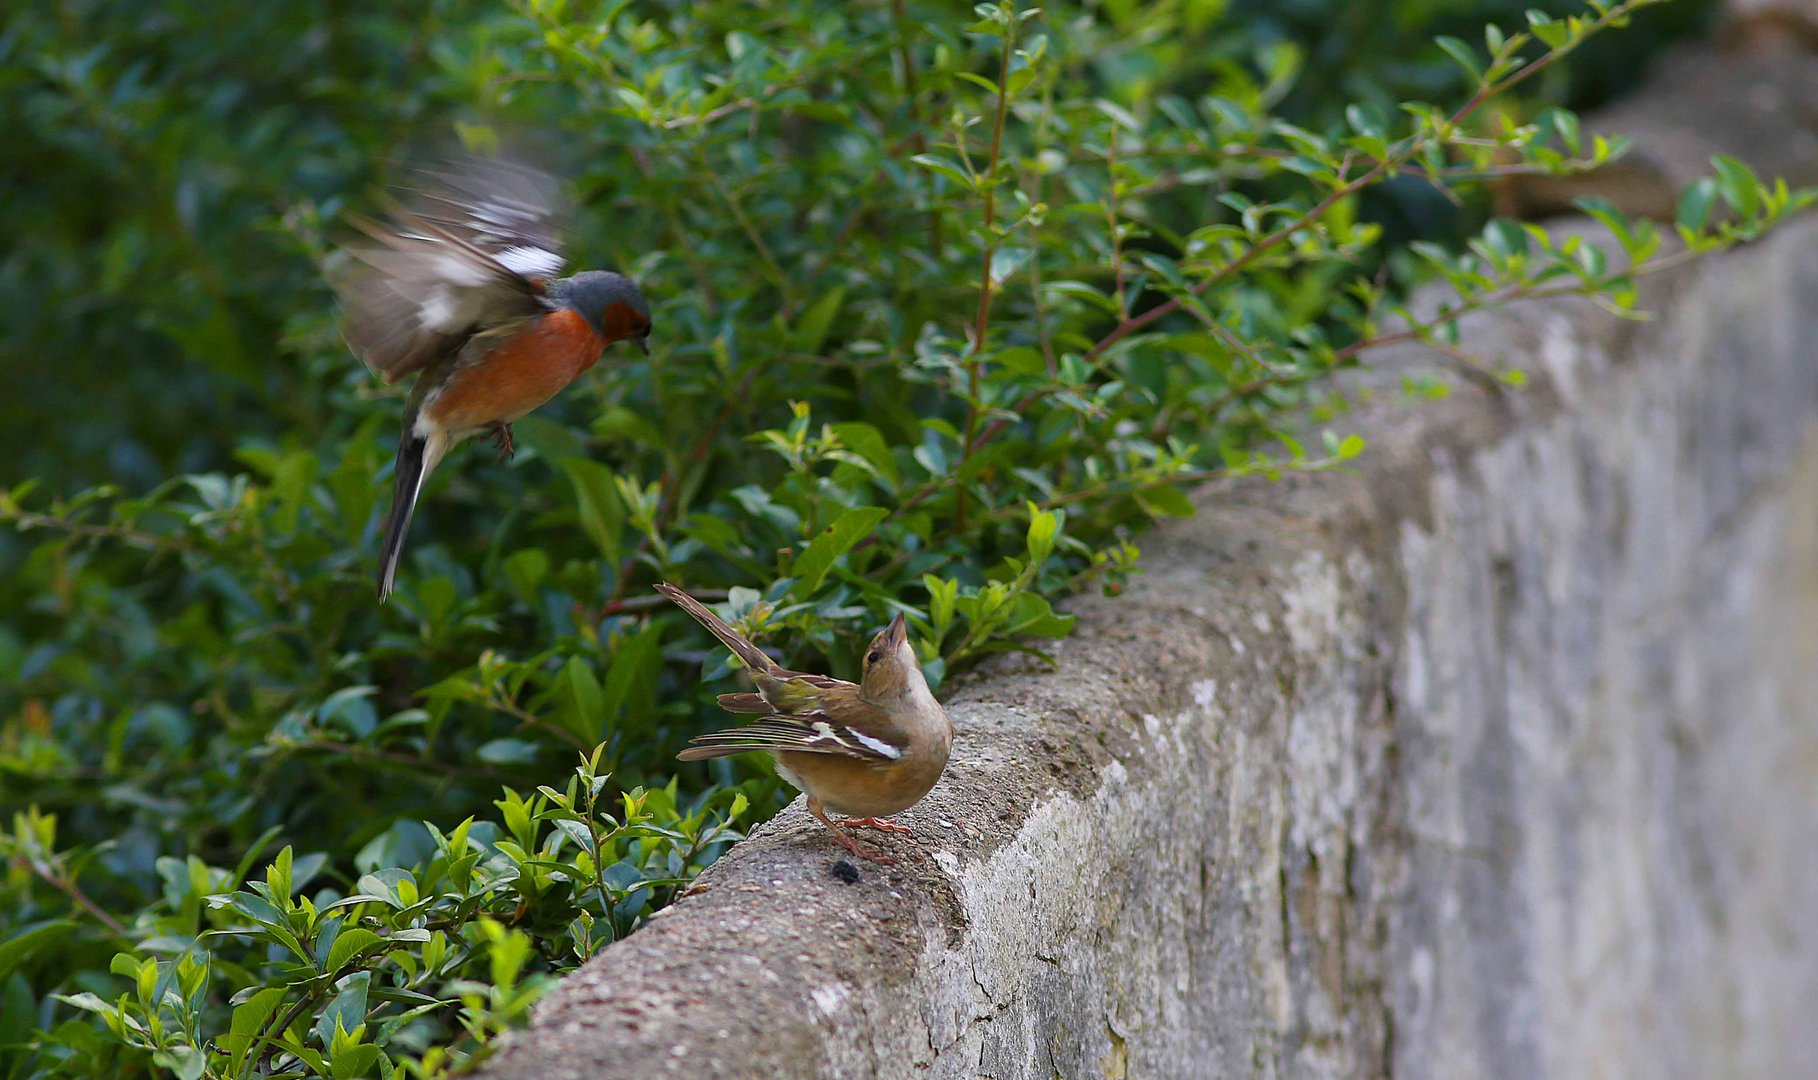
863 749
460 285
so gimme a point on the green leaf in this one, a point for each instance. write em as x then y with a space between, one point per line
348 1009
977 80
256 908
811 329
350 710
350 944
1006 261
436 596
584 714
147 978
636 102
317 1064
942 597
811 566
15 949
126 965
553 442
601 510
1022 360
86 1001
1030 614
387 884
1738 185
1606 213
1044 526
184 1062
631 681
1462 53
1695 204
1079 290
525 570
291 483
249 1020
1566 124
867 442
1165 500
578 833
508 751
349 1062
1020 78
945 168
1551 33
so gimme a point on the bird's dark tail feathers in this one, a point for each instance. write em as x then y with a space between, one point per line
753 656
417 456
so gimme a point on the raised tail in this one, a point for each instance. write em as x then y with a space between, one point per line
417 458
753 656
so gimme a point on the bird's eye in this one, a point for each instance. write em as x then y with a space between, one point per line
873 656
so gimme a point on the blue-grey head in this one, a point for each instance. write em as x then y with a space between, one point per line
610 302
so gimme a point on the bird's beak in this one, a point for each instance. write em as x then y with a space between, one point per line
643 345
897 632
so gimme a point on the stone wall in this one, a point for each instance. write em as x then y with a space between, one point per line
1497 758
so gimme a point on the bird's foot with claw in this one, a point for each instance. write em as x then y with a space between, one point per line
862 851
501 438
880 824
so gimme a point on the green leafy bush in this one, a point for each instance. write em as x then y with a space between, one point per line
949 304
332 981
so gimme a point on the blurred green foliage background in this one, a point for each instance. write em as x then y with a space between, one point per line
160 307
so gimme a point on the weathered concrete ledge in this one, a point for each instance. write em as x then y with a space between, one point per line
1497 758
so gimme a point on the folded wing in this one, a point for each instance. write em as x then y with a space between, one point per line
806 735
839 723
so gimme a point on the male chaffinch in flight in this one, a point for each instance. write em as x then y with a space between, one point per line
461 286
862 749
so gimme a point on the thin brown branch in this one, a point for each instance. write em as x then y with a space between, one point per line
750 229
1235 153
527 719
711 115
936 239
56 877
276 1028
414 762
130 537
982 321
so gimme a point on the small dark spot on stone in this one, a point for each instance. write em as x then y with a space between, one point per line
844 871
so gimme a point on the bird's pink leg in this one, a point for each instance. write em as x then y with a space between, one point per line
881 824
844 838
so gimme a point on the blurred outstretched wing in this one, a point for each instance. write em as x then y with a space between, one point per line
467 249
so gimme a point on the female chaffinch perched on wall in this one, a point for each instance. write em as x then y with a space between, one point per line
865 749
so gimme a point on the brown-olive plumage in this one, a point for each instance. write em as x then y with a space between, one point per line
866 749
